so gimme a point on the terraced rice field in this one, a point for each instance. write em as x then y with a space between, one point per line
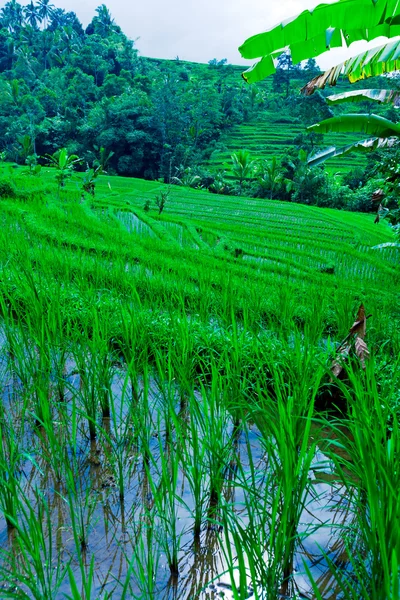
268 136
160 377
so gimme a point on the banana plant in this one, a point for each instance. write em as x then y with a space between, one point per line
270 177
89 179
371 63
64 163
379 96
385 134
243 166
315 31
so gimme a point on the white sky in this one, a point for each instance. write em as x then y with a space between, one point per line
199 30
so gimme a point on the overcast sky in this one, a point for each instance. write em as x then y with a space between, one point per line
199 30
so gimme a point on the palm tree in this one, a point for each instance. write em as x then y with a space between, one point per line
8 54
12 15
104 19
58 18
45 11
32 15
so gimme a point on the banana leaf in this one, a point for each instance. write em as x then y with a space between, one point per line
380 96
315 31
365 146
374 62
362 123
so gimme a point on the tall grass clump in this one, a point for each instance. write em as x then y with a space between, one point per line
34 567
277 491
369 471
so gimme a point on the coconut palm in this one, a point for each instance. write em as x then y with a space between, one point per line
45 10
270 176
8 54
105 22
32 15
12 15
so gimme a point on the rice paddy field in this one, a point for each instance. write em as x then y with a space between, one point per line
269 135
170 424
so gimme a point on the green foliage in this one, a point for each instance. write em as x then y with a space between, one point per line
219 184
372 63
89 179
186 177
270 178
90 92
243 166
7 188
64 164
314 31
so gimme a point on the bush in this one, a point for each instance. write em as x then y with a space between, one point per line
361 199
7 188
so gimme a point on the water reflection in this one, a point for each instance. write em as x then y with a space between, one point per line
125 534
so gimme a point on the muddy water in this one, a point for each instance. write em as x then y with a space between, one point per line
134 530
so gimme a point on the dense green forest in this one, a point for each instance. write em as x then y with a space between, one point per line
90 91
64 86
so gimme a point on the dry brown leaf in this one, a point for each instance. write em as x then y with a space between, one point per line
338 363
377 218
377 196
358 329
360 325
362 351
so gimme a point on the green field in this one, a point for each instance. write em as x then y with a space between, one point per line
160 375
269 135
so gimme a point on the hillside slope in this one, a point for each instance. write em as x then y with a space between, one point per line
151 366
270 135
202 243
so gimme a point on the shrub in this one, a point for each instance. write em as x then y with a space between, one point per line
361 199
7 188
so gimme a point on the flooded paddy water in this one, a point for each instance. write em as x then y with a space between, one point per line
151 506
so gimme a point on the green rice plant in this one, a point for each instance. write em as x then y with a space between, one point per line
39 570
134 342
81 504
371 459
214 428
285 426
30 367
87 394
166 500
144 561
103 361
57 434
194 465
250 546
119 440
10 471
86 583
